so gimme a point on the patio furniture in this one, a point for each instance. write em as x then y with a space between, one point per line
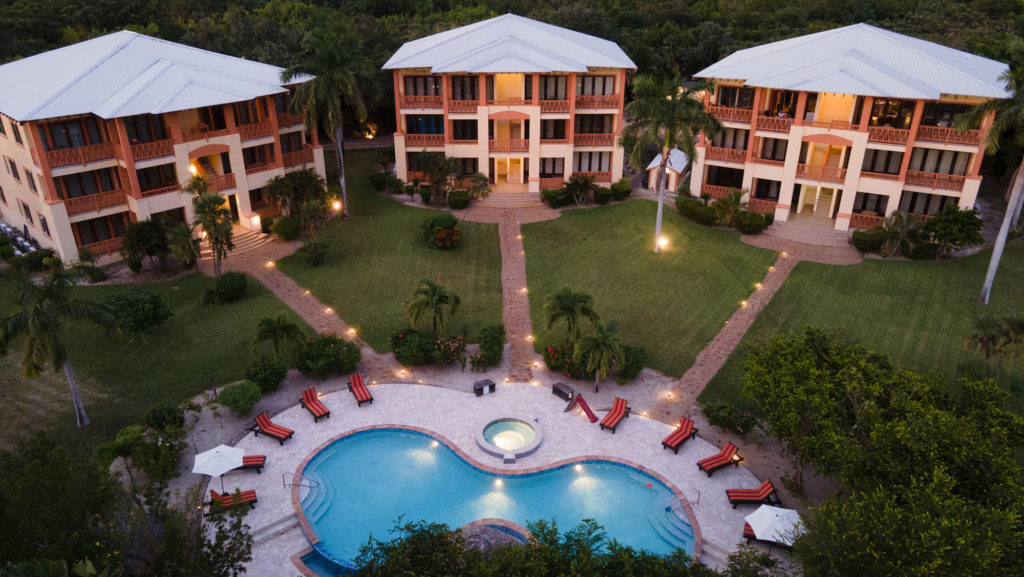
684 432
619 411
358 388
727 456
254 462
773 525
562 391
763 494
311 402
263 424
217 461
227 500
748 532
483 387
579 401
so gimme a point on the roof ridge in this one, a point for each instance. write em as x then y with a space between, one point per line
803 40
166 65
204 85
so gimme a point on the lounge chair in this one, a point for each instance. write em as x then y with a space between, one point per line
748 533
763 494
232 499
684 432
264 425
614 417
312 404
358 388
727 456
254 462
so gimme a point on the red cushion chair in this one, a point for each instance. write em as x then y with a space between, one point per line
254 462
727 456
233 499
684 432
619 411
312 404
263 424
763 494
359 390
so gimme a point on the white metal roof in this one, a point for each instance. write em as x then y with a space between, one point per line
677 161
509 43
866 61
125 73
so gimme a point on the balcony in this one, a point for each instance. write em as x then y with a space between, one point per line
715 191
861 220
761 205
887 135
934 180
726 154
879 175
601 176
822 173
424 140
728 114
464 141
774 123
256 130
544 141
463 106
510 102
204 133
509 145
420 101
947 135
554 106
298 157
597 101
594 139
769 161
104 247
159 191
830 124
155 149
285 119
95 202
258 168
80 154
552 181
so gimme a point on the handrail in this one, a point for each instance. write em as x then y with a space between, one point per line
153 149
888 135
463 105
509 145
730 114
683 501
424 139
594 139
293 480
597 101
947 135
80 154
256 130
774 123
726 154
554 106
420 101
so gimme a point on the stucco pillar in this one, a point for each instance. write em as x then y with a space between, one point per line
915 123
570 125
801 107
752 138
129 161
865 113
856 152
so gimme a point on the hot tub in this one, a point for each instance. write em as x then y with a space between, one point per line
510 438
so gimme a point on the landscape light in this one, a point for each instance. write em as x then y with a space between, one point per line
662 241
336 205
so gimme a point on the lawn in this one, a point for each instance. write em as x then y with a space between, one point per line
201 346
378 256
672 304
920 313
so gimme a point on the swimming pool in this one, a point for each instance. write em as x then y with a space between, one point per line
369 479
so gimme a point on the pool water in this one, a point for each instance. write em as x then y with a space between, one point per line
368 480
509 434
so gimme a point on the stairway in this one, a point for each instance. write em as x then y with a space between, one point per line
808 233
510 200
244 240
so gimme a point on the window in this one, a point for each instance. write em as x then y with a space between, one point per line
12 169
736 97
464 130
291 142
27 213
256 197
3 131
781 103
99 229
552 129
424 124
31 181
258 155
70 133
212 118
940 161
422 85
552 87
774 148
468 166
43 225
3 198
465 88
281 102
145 128
943 113
16 132
251 112
528 87
552 167
722 176
156 177
882 161
594 124
85 183
924 203
767 189
734 138
595 85
892 113
875 203
591 161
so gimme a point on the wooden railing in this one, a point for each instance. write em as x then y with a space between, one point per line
888 135
154 149
554 140
774 123
769 161
762 205
258 168
421 101
159 191
256 130
726 154
859 220
463 105
597 101
286 119
715 191
219 182
554 106
267 209
603 176
552 182
728 114
509 145
424 140
879 175
934 180
109 246
95 202
298 157
594 139
471 141
416 175
948 135
510 102
818 172
80 154
200 133
829 124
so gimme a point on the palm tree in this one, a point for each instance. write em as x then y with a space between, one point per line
665 115
727 206
1013 336
603 349
570 307
899 229
45 309
279 331
341 77
1009 119
986 338
125 446
214 218
579 187
434 301
182 244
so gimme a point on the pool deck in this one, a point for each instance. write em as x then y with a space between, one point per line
458 416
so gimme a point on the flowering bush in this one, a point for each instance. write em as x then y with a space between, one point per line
451 349
328 355
411 347
492 348
560 359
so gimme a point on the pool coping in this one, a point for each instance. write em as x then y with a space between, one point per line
311 537
510 457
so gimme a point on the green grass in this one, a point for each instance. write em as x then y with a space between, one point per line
378 256
671 304
920 313
199 347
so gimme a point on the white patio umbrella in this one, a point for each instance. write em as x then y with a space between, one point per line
217 461
774 524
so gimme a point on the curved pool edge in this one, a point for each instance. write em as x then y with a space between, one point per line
307 529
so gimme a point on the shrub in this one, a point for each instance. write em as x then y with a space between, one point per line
134 264
696 210
165 416
459 199
267 373
769 219
231 286
35 261
602 195
925 251
451 349
730 418
411 347
158 456
6 251
869 240
286 227
425 194
137 310
395 185
328 355
749 222
266 225
412 189
622 189
443 231
379 180
93 273
953 229
577 369
636 358
314 253
555 197
560 359
5 240
492 348
240 397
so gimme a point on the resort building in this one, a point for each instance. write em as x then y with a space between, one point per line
107 131
843 127
526 103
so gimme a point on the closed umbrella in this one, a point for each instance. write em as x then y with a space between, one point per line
217 461
774 524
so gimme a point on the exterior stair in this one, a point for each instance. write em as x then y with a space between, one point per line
808 233
244 239
510 200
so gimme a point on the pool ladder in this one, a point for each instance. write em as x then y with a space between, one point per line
684 501
293 480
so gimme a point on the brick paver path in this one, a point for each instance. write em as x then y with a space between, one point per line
515 310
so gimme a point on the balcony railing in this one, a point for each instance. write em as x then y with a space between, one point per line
424 140
715 191
879 175
728 114
80 154
888 135
594 139
860 220
159 191
554 106
463 105
257 130
267 210
421 101
509 145
727 154
95 202
948 135
934 180
597 101
219 182
554 140
202 133
823 173
416 175
829 124
762 205
286 119
258 168
472 141
552 182
109 246
600 176
298 157
154 149
769 161
774 123
510 102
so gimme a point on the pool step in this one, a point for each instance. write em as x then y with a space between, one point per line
321 501
275 529
670 527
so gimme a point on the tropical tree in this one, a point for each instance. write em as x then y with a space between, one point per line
1009 119
570 307
342 75
1013 336
125 446
900 233
196 186
295 189
478 186
727 206
45 308
432 301
182 244
214 219
440 171
603 350
579 187
279 331
986 338
664 115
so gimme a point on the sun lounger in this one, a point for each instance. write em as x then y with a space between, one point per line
254 462
614 417
727 456
684 432
358 388
312 404
748 533
264 425
232 499
763 494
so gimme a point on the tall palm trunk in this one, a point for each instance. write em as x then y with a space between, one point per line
662 184
80 416
1012 208
597 379
339 143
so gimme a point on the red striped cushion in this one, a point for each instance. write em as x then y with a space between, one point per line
253 460
268 427
680 434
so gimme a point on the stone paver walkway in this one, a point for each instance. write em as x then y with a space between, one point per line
515 308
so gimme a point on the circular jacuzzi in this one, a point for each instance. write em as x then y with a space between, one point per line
509 438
